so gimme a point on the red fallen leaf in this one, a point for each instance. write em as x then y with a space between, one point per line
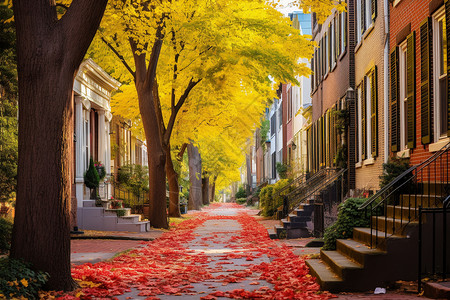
249 258
209 297
254 283
218 294
152 298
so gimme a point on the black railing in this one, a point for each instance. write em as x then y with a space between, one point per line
313 184
425 184
130 199
433 264
292 185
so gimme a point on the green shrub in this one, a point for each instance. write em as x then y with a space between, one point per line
348 217
268 203
91 178
241 201
393 168
120 212
18 280
282 170
240 193
5 235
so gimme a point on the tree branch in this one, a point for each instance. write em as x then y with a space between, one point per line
173 115
120 56
200 54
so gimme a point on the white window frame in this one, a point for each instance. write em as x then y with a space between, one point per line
359 95
358 21
403 96
326 50
437 16
368 118
333 42
86 138
343 33
368 18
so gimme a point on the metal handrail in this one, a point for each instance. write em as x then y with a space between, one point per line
403 175
434 211
320 187
297 180
413 176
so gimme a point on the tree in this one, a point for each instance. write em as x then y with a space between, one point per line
204 47
8 106
50 48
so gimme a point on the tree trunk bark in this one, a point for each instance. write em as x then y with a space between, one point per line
156 157
205 190
195 175
212 189
174 190
49 52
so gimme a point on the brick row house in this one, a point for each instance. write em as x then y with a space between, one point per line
382 67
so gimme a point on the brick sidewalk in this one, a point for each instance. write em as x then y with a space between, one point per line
104 246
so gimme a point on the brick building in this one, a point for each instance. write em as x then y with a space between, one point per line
419 102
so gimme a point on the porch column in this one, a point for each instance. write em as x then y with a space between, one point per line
101 137
79 159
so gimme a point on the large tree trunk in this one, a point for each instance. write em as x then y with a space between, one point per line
205 190
174 190
212 189
195 178
156 158
48 54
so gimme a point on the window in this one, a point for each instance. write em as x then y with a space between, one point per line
365 16
402 96
359 124
440 74
272 124
343 32
367 117
332 44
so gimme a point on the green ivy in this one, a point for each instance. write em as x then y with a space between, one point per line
19 280
349 217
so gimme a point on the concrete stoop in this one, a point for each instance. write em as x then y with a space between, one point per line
91 217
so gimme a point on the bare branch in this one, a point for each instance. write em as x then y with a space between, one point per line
120 56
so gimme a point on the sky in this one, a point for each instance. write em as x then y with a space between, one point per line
286 8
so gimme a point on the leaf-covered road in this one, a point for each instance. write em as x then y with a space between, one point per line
221 252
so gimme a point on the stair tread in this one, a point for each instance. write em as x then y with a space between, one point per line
360 247
279 226
341 260
396 220
380 233
323 271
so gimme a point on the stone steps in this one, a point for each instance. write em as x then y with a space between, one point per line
91 217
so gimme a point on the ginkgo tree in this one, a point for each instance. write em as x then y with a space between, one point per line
178 46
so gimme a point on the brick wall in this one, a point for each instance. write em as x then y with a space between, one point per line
412 12
369 52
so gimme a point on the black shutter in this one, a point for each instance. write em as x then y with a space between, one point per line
426 82
363 119
374 111
411 89
374 9
363 16
395 130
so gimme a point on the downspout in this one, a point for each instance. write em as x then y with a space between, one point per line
386 80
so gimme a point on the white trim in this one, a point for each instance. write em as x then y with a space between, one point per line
404 153
369 161
402 95
438 145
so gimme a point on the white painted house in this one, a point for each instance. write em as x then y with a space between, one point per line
92 127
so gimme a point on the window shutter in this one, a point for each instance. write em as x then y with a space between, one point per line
363 119
374 9
330 43
336 37
363 16
411 89
447 24
425 81
313 72
374 111
395 141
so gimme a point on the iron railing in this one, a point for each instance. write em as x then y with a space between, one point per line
130 199
292 185
313 184
425 184
435 264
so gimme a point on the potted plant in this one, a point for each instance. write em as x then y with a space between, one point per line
115 204
100 169
91 179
